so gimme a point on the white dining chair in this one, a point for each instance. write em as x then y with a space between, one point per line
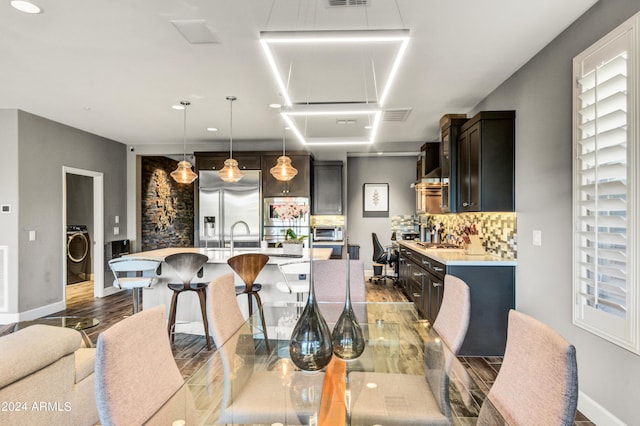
453 317
134 274
295 278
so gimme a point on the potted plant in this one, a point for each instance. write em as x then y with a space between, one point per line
292 243
292 213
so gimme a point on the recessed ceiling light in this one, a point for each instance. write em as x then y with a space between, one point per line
26 6
275 106
380 153
367 127
212 129
178 107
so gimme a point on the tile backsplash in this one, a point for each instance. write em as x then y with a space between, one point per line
497 231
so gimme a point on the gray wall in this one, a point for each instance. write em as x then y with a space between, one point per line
399 173
541 94
44 147
9 195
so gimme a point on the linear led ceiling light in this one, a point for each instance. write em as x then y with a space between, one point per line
293 117
270 39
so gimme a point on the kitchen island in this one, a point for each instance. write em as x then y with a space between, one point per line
491 282
188 317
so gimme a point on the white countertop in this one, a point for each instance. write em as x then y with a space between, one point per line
458 256
221 255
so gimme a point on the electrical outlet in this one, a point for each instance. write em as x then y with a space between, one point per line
537 238
32 235
116 230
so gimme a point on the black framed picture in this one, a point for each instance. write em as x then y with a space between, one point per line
375 200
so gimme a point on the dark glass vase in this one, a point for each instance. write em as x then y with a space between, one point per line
310 346
347 336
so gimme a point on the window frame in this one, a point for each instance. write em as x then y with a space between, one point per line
623 331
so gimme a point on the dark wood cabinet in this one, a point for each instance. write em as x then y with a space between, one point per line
449 130
492 290
327 188
486 162
299 186
215 161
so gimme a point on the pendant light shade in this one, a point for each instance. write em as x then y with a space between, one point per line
283 170
184 174
230 172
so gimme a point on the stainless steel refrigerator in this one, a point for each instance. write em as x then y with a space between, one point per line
222 204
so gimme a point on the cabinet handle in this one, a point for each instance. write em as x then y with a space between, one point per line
438 269
417 295
426 262
418 274
465 204
436 285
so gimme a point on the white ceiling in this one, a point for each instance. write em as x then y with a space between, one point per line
115 67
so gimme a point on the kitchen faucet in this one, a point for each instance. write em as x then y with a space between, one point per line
233 227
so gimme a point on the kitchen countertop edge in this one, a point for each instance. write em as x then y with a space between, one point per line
458 257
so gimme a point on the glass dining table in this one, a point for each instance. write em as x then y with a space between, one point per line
243 382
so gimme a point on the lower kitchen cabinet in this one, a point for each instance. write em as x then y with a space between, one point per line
492 290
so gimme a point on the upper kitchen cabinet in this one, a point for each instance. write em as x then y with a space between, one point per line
327 188
449 131
215 160
486 162
299 186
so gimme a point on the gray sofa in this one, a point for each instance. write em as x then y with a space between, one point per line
46 378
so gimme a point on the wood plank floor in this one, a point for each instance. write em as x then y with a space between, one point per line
190 351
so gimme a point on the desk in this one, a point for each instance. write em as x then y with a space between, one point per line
396 342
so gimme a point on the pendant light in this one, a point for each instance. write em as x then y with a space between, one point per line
283 170
184 174
230 172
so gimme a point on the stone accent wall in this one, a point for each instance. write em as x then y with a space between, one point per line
167 206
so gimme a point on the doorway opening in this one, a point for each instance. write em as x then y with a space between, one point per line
83 226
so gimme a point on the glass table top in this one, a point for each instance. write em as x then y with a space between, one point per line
244 383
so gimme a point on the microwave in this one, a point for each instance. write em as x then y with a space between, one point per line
327 233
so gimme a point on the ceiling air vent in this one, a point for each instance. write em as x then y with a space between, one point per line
339 3
396 114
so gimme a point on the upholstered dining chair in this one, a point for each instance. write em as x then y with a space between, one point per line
186 265
538 380
248 267
136 377
330 285
405 399
452 321
134 274
251 397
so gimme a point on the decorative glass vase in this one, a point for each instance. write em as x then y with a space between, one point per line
310 347
348 339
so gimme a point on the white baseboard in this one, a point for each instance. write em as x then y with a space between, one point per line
596 412
9 318
42 311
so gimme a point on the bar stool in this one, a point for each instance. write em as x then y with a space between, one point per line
248 266
187 266
132 273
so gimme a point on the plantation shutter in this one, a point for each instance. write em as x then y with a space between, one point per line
605 284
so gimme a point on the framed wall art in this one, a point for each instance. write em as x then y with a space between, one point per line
375 200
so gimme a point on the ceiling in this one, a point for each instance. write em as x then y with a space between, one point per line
115 67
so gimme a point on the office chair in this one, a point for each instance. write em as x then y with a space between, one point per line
383 257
